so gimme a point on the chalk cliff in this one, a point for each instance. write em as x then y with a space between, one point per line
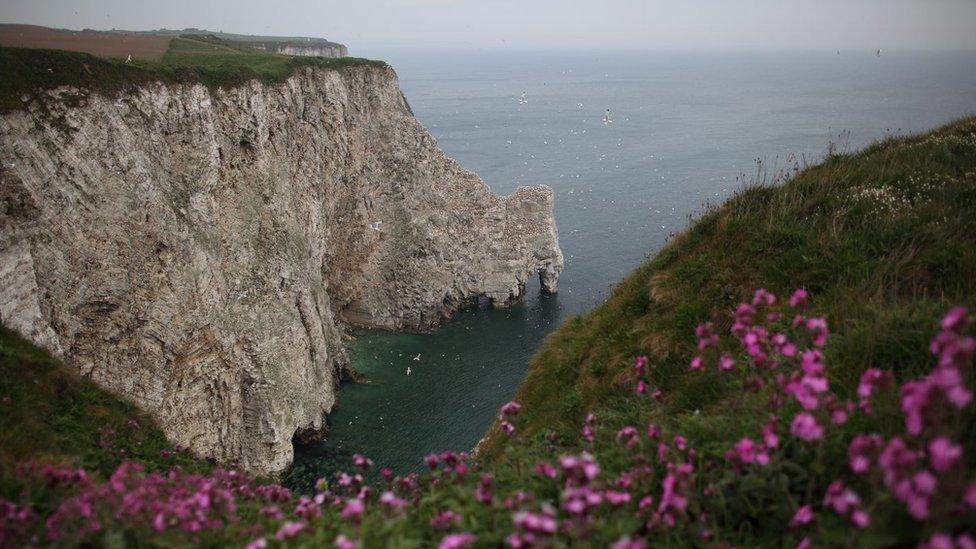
199 251
310 49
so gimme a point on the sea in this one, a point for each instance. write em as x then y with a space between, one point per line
634 144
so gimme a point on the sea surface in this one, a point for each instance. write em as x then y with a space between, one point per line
688 128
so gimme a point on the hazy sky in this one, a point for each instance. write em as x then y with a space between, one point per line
366 24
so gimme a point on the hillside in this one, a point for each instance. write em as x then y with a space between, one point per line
884 243
884 239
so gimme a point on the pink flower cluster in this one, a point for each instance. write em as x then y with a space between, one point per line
910 467
663 485
643 380
919 469
191 503
14 521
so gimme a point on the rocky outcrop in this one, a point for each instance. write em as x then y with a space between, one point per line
305 49
199 251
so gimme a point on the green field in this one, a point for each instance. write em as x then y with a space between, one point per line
213 62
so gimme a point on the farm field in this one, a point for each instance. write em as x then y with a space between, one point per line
102 44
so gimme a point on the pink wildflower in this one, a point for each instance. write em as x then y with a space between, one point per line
640 365
617 498
860 518
353 510
541 523
342 542
745 451
626 434
805 427
445 519
508 428
511 408
871 380
770 438
546 470
362 462
390 500
458 541
763 297
482 492
817 326
628 543
969 498
799 299
943 454
956 319
259 543
289 530
862 451
726 363
803 516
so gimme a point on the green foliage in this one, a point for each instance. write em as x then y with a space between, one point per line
51 415
885 239
190 59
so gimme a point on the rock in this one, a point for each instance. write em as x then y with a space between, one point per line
199 252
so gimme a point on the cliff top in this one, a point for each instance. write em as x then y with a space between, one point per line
151 45
206 59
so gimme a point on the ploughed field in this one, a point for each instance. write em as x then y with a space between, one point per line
101 44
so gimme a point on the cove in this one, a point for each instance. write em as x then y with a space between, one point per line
448 400
687 130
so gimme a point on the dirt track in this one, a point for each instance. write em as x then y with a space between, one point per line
102 44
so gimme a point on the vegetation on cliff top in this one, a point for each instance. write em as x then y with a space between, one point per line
843 417
190 59
885 238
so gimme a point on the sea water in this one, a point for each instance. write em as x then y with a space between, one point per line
685 129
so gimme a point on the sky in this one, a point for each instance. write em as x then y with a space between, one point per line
537 24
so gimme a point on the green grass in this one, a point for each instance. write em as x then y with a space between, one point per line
885 239
190 59
882 275
50 414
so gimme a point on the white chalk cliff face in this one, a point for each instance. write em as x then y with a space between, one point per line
199 252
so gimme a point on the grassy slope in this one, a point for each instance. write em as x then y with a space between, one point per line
210 61
881 269
885 239
49 414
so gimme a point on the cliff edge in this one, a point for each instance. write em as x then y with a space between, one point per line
198 250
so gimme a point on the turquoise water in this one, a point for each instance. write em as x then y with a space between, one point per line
686 128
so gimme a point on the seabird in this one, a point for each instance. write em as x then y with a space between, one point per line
417 358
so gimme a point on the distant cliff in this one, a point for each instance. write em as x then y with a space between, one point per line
198 250
300 48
